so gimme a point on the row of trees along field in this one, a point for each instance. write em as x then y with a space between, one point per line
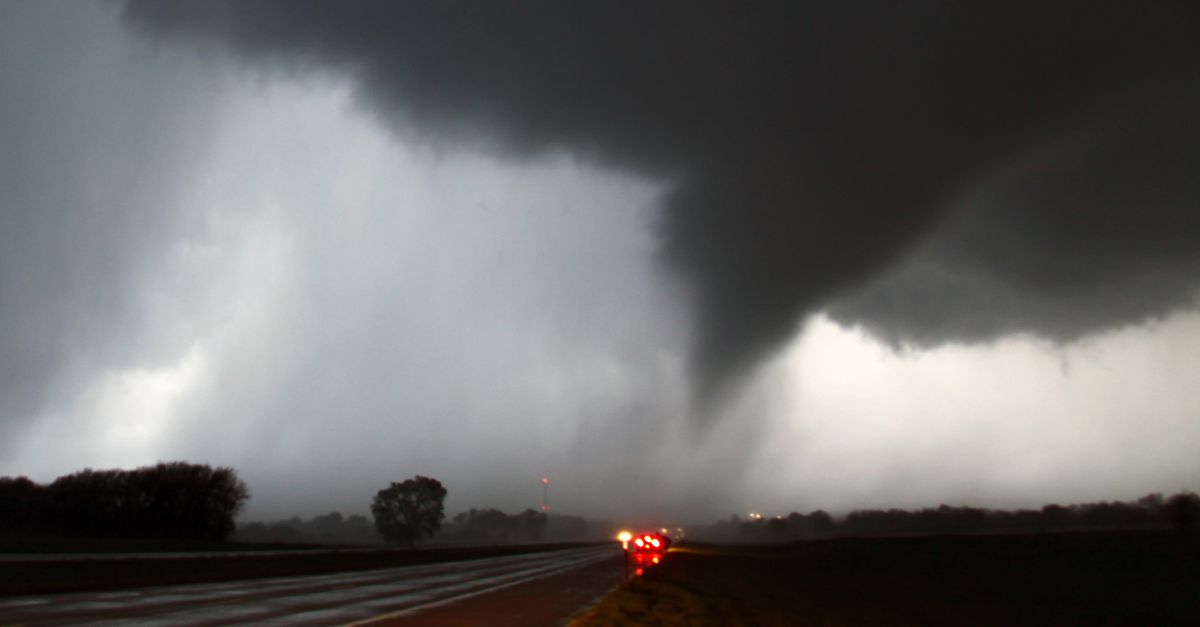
1153 512
409 512
177 500
332 528
475 526
492 526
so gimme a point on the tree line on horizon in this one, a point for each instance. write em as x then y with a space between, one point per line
474 526
413 510
408 512
168 501
1180 512
332 528
492 526
184 501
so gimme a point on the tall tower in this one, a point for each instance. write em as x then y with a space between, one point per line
545 494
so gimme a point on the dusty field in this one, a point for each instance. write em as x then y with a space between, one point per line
1078 579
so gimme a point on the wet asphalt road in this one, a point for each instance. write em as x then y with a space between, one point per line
543 588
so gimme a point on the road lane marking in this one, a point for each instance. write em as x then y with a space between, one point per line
159 601
350 594
460 597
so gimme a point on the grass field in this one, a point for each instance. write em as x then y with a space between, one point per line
1069 579
19 577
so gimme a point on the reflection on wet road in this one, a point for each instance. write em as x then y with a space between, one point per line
319 600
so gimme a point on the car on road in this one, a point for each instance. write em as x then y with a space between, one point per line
646 550
650 543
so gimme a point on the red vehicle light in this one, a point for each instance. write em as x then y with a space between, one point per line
651 542
647 552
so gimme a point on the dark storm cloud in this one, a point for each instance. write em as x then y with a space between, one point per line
1098 233
934 171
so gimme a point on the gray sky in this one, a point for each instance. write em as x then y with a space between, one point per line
686 261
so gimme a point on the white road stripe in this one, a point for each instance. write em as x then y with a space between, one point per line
280 586
454 599
355 596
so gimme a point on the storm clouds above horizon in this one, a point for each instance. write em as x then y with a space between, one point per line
607 243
